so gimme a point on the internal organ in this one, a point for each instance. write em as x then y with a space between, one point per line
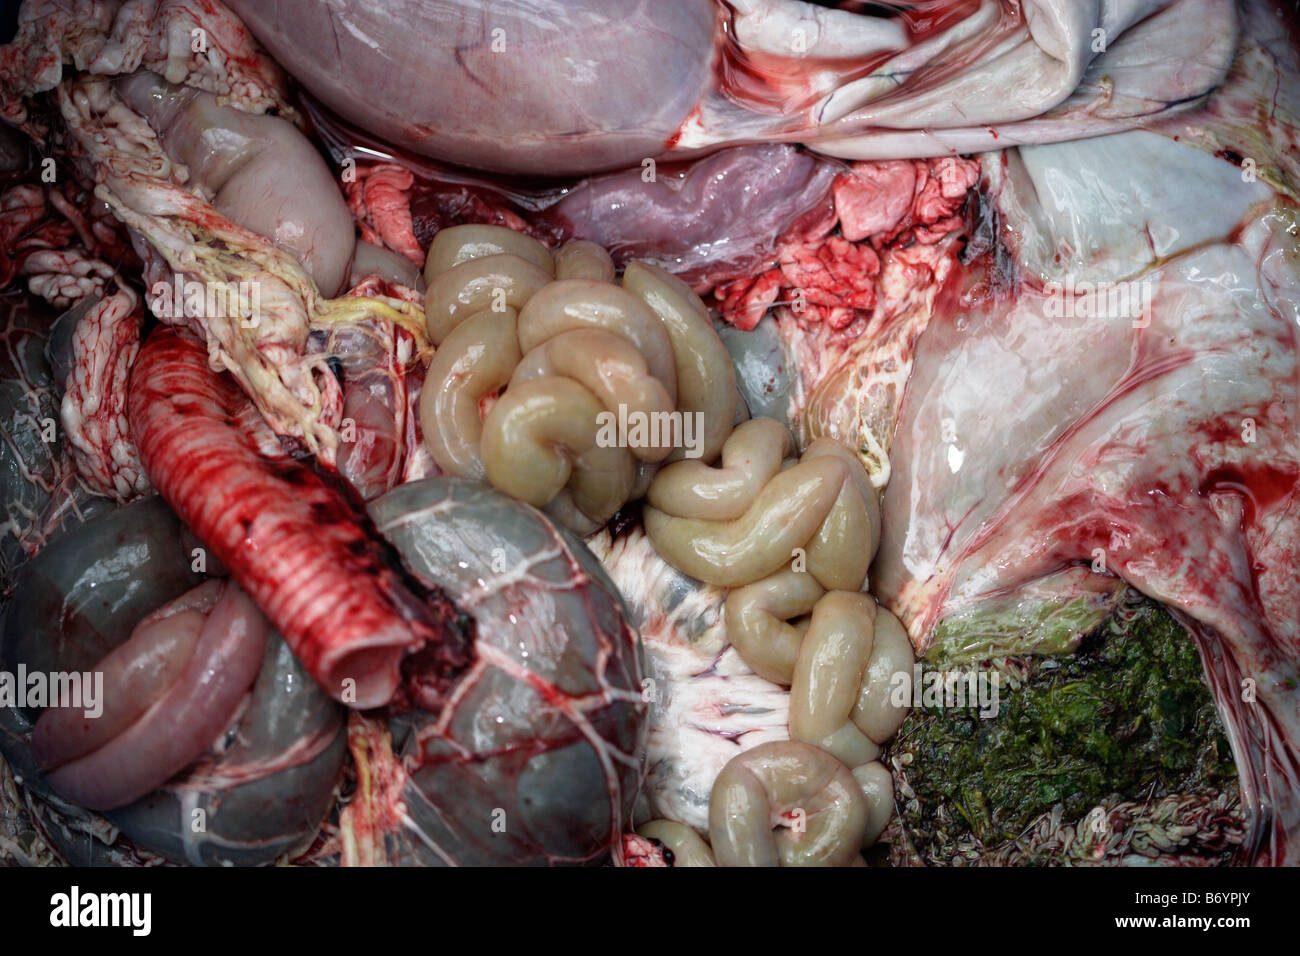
109 37
259 301
263 793
1153 436
30 468
778 207
536 757
258 170
169 691
794 541
568 353
495 83
293 542
105 342
380 444
183 677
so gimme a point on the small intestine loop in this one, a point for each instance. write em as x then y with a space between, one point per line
475 361
570 304
821 810
734 525
751 457
608 366
494 282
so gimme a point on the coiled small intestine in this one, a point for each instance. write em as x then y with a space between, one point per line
532 349
786 780
535 349
821 512
793 540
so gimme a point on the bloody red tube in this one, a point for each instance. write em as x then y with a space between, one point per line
293 542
